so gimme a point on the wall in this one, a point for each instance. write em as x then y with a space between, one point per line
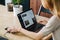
26 4
2 2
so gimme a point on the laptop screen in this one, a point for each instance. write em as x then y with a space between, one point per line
27 18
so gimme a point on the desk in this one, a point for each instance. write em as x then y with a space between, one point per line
7 19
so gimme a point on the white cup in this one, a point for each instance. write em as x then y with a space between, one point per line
17 10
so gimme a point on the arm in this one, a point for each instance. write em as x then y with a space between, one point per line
47 37
32 34
50 27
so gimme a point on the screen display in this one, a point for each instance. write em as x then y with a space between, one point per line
28 18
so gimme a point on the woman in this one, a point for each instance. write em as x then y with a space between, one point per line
53 25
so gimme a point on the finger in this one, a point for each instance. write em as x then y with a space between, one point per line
13 29
9 29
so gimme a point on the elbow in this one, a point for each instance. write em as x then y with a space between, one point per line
39 36
37 39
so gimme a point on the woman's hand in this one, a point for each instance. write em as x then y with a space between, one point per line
43 22
13 29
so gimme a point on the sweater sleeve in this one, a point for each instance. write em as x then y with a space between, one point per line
51 26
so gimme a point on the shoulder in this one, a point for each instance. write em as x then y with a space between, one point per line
53 17
53 20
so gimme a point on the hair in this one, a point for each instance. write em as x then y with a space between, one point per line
54 5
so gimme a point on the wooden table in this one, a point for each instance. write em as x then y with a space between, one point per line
7 19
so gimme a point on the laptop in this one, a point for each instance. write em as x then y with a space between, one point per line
28 21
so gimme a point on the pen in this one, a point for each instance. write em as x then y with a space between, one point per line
7 31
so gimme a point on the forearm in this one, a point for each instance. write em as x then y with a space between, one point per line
33 35
28 33
47 37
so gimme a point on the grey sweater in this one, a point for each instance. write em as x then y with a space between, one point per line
53 26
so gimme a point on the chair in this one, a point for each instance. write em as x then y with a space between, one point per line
44 12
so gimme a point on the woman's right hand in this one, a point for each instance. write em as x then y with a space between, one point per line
14 29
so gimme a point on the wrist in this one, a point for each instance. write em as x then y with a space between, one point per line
21 29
